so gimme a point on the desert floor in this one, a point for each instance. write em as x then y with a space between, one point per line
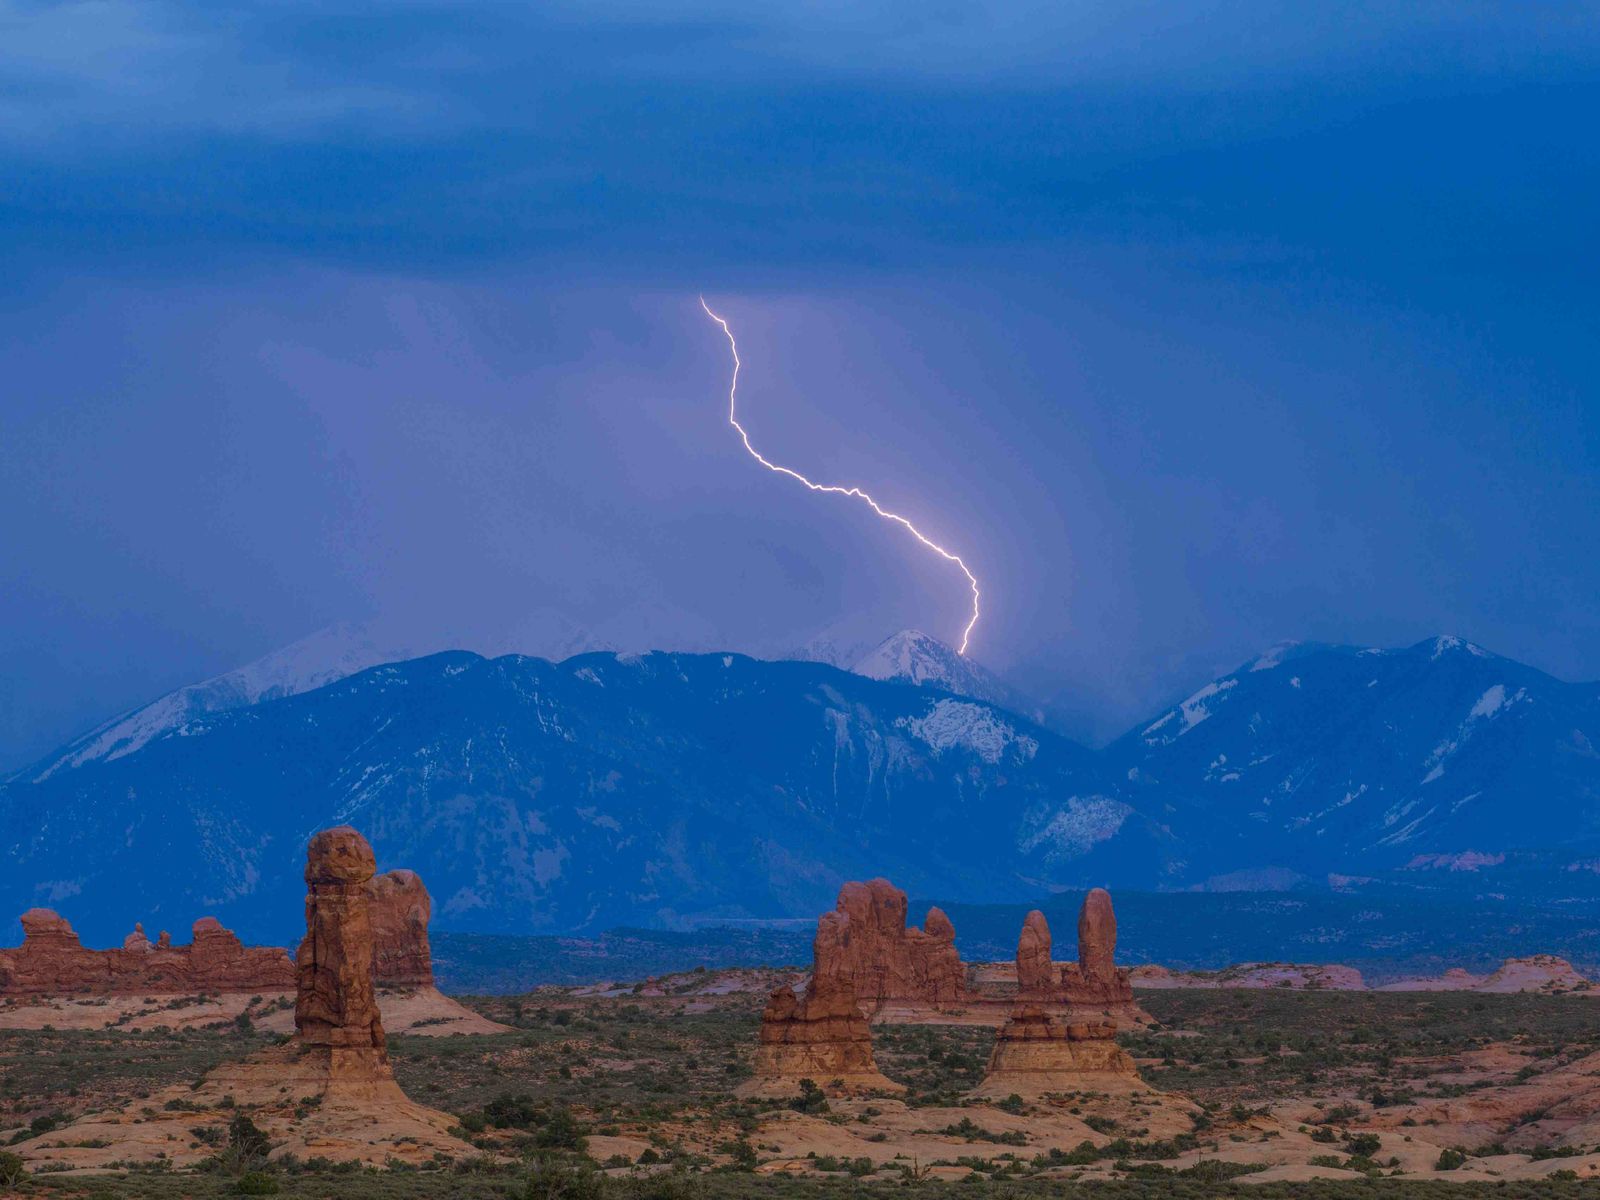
596 1093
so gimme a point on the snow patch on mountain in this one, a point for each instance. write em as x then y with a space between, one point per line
1191 712
1077 826
1489 705
954 723
1273 656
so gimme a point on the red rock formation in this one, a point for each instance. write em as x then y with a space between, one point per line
1095 984
823 1036
335 1005
883 962
1036 974
52 962
400 912
1048 1043
1097 939
1038 1051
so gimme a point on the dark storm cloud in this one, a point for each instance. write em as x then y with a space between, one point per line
1197 325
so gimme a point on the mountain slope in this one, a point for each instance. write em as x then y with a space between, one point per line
605 790
1320 759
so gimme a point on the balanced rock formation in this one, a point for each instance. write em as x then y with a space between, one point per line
400 911
887 965
1044 1046
329 1091
52 962
821 1036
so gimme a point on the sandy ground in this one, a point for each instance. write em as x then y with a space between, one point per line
308 1104
422 1012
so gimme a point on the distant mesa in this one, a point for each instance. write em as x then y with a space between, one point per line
1544 973
52 962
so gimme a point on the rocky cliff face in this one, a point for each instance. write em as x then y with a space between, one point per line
52 961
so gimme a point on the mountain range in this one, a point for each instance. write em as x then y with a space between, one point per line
671 790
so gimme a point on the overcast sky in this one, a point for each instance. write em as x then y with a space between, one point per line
1192 327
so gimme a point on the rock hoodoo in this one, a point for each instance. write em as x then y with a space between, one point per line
400 912
1097 939
52 962
1036 974
821 1036
884 963
335 1004
1093 988
1045 1044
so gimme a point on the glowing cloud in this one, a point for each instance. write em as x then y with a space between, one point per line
857 493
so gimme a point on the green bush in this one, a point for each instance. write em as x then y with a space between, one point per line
1449 1160
12 1169
257 1183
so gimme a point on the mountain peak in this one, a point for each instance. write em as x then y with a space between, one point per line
922 660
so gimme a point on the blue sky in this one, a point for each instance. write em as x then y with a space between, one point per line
1195 326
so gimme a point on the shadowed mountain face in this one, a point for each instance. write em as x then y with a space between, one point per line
1440 759
604 790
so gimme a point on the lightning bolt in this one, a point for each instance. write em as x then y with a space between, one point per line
833 489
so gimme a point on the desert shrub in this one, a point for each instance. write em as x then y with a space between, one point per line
1449 1159
256 1183
554 1178
12 1169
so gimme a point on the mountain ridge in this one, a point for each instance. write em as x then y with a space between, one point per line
675 789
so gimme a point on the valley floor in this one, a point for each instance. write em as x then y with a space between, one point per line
631 1095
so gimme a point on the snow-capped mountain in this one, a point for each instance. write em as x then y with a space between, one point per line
607 789
341 650
326 656
1437 758
915 658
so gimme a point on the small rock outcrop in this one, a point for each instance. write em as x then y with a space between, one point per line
886 963
1045 1045
1038 1051
335 1004
823 1035
52 961
400 911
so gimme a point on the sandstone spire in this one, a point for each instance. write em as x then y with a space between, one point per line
335 1005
